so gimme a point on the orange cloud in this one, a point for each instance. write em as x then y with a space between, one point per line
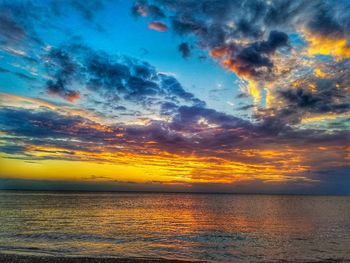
219 52
158 26
224 54
322 45
72 96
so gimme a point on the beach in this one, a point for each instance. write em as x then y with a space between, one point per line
14 258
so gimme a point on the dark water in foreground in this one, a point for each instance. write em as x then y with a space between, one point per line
218 228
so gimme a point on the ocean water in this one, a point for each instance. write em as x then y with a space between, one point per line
211 227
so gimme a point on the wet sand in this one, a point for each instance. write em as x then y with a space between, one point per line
13 258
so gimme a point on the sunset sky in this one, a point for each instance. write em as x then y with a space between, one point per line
174 95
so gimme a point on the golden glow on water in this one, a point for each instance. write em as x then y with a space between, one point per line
215 228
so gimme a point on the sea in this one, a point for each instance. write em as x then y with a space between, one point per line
194 227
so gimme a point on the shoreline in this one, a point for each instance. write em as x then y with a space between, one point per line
19 258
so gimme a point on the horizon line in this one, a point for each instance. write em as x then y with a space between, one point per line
165 192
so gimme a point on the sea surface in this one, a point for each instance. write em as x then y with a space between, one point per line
211 227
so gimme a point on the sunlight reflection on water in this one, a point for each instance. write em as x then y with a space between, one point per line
209 227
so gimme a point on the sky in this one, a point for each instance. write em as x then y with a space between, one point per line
174 95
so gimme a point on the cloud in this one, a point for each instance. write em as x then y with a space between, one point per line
322 102
64 72
47 126
12 149
197 142
253 60
88 10
20 21
58 89
187 116
158 26
185 50
329 19
140 8
10 29
194 129
315 94
270 45
17 21
133 114
246 107
114 78
120 108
